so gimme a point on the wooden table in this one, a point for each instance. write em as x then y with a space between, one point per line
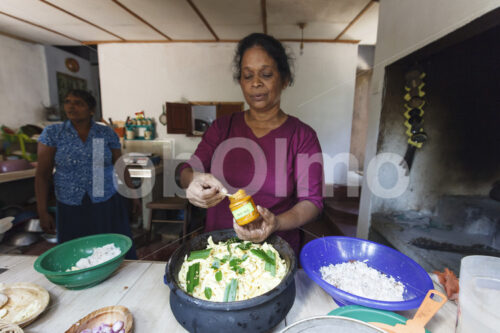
139 286
17 175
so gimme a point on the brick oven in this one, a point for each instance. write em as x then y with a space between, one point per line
451 207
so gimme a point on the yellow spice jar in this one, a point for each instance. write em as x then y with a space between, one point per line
243 208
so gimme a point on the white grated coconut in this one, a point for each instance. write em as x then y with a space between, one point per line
359 279
100 255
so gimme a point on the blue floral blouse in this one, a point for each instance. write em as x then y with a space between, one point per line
82 167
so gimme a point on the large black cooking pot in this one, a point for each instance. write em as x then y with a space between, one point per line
257 314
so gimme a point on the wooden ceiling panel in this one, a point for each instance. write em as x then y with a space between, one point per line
314 30
174 18
40 13
109 16
318 11
15 28
364 29
232 19
108 21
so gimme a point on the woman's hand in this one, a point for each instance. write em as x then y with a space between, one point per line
47 223
205 190
259 230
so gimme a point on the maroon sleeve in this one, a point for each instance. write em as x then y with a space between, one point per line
309 167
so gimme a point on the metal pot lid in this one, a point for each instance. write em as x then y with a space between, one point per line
328 324
23 239
33 225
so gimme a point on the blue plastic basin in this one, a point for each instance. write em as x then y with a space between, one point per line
335 250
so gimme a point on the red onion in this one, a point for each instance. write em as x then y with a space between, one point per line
117 326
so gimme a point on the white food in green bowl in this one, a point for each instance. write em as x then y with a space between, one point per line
99 255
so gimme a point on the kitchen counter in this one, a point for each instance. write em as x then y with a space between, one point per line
17 175
139 286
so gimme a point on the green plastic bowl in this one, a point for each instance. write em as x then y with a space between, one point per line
370 315
54 262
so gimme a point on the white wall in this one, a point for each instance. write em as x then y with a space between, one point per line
323 97
138 77
23 83
56 62
406 26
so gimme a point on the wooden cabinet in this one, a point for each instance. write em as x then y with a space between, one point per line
180 115
178 118
228 108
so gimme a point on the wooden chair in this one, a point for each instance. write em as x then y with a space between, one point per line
173 203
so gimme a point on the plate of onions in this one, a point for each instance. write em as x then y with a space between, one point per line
110 319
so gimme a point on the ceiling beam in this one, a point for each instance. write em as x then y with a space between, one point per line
81 19
368 5
140 18
22 39
343 41
263 11
203 19
41 27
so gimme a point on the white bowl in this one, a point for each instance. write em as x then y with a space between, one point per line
6 224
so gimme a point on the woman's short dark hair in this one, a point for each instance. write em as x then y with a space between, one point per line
85 95
273 47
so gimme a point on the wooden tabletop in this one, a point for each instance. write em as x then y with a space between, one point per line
139 286
17 175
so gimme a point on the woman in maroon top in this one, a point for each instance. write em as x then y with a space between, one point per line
275 157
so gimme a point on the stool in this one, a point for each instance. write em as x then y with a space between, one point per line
173 203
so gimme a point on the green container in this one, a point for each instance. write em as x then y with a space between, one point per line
369 315
54 262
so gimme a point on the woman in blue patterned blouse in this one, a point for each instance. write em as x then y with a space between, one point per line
83 154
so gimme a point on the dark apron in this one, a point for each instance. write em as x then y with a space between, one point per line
110 216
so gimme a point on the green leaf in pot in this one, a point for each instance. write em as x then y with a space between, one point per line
193 277
234 264
200 254
218 276
244 246
230 292
216 263
263 255
208 292
271 268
